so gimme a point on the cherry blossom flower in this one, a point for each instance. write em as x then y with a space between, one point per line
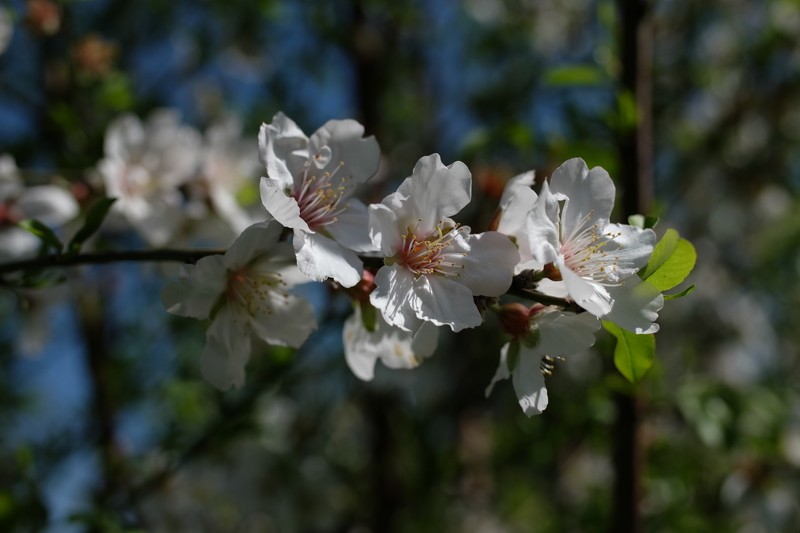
143 168
393 346
596 260
244 292
515 207
48 204
309 188
540 334
433 266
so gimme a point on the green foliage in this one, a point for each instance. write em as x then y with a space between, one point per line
94 220
633 354
576 75
44 233
672 260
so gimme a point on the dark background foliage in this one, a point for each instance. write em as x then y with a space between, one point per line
108 425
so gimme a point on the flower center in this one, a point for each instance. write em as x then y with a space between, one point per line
433 254
253 291
323 198
583 251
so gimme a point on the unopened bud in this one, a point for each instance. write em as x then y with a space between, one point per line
515 319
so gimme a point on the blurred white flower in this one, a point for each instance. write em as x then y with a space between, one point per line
393 346
229 166
433 266
309 187
539 332
597 261
144 166
245 294
48 204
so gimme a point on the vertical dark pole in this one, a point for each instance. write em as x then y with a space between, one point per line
636 178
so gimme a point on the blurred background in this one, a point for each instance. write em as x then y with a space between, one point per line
107 425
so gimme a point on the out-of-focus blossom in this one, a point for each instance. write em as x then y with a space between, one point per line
538 333
43 16
93 55
245 293
144 166
434 266
393 346
48 204
309 187
597 261
229 166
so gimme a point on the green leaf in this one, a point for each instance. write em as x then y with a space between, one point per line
672 260
94 219
582 75
634 354
44 233
643 221
369 317
681 294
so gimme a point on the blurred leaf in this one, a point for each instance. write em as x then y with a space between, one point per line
576 75
672 260
634 354
368 316
642 221
681 294
626 110
44 233
94 219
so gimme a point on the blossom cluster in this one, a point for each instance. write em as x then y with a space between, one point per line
552 266
424 270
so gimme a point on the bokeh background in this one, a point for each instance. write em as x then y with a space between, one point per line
107 425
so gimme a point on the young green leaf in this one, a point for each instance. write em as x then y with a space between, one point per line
44 233
634 354
672 260
681 294
94 219
583 75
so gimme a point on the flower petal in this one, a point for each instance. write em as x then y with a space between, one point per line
351 228
394 295
636 305
593 297
226 352
358 156
446 302
502 371
320 258
384 226
197 289
590 193
283 148
50 204
529 382
283 320
489 265
256 240
562 333
542 229
437 191
281 206
633 248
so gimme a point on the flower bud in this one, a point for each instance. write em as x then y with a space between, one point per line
515 319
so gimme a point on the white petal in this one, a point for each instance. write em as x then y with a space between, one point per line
358 156
226 352
502 371
542 230
256 240
516 206
446 302
384 229
351 228
283 319
437 191
359 349
425 340
489 265
50 204
633 247
518 191
17 243
282 147
563 333
394 296
320 258
636 305
593 297
281 206
197 290
590 193
157 219
529 383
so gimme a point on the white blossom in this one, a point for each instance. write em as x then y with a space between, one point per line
550 333
597 261
48 204
433 266
245 292
144 166
393 346
309 187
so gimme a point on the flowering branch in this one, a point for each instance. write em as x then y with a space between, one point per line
57 260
